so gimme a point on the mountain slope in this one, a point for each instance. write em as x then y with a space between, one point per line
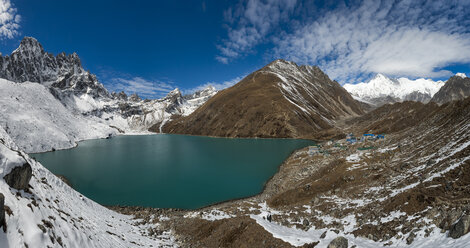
39 122
456 88
281 100
382 89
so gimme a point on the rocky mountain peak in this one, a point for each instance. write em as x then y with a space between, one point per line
29 44
29 62
456 88
209 90
135 98
175 92
289 68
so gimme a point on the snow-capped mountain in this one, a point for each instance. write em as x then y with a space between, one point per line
159 111
382 89
29 62
39 85
281 99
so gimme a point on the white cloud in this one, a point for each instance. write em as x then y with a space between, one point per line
351 40
9 20
397 39
253 20
141 86
217 86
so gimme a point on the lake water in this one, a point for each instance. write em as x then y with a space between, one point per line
170 171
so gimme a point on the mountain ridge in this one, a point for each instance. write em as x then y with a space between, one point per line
280 100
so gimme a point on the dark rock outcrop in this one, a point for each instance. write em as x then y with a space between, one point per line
135 98
339 242
2 212
19 177
30 62
456 88
460 228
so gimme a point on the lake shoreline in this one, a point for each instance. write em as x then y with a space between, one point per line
218 170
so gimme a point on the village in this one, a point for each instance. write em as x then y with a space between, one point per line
351 143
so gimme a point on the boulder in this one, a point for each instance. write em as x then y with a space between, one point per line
339 242
460 228
19 177
410 238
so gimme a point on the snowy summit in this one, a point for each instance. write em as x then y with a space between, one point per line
382 89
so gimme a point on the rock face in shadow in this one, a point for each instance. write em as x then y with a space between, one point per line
19 177
460 228
2 212
456 88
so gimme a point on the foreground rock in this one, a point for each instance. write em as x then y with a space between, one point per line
460 228
19 177
339 242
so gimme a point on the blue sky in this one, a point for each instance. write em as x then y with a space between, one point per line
151 47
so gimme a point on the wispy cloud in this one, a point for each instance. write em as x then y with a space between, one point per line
249 23
9 20
203 6
216 85
144 88
404 38
356 38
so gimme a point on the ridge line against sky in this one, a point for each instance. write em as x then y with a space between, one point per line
150 48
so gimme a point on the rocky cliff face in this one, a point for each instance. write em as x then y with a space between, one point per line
280 100
29 62
456 88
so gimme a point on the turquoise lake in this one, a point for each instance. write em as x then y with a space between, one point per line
170 171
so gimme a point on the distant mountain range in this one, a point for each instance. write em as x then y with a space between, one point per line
66 87
382 90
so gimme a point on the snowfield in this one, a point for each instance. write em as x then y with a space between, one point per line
38 122
297 237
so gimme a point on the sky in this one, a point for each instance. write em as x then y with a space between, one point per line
152 47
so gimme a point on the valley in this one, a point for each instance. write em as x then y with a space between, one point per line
407 188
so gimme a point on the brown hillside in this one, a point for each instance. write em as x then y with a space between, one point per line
281 100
